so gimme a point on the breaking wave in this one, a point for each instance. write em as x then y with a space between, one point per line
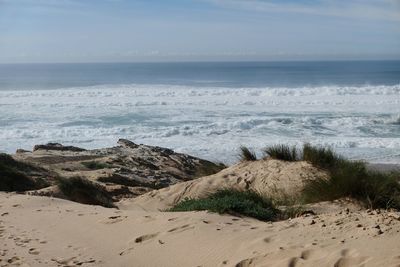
361 122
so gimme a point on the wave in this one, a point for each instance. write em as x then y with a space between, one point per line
205 121
159 91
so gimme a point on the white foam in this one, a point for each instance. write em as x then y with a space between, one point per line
206 121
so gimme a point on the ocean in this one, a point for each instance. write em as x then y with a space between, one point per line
205 109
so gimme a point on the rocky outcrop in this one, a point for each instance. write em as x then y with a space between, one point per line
57 146
127 170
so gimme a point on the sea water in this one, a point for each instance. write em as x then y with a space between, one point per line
205 109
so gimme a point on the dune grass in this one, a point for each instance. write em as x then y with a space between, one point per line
346 178
323 157
234 202
13 177
282 152
350 179
246 154
84 191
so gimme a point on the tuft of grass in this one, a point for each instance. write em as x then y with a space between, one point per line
95 165
84 191
343 181
246 154
350 179
382 190
13 178
321 156
282 152
234 202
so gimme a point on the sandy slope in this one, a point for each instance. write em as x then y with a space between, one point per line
41 231
273 178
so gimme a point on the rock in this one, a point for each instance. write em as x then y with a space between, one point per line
20 150
58 147
122 168
127 143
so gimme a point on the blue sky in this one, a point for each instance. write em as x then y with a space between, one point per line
182 30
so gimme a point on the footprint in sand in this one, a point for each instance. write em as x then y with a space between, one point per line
143 238
268 239
137 240
113 219
348 252
245 263
350 257
293 262
34 251
351 261
15 260
309 254
67 261
181 228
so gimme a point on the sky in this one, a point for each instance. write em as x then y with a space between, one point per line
197 30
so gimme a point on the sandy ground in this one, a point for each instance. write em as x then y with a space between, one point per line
42 231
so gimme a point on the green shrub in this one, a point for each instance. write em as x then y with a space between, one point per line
95 165
246 154
84 191
12 177
246 203
282 152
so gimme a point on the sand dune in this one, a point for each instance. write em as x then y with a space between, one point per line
271 177
42 231
46 231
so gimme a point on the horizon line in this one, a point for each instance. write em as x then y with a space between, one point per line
202 61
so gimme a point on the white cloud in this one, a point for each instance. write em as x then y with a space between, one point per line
357 9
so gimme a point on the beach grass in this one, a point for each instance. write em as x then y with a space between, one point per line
281 152
246 154
350 179
346 178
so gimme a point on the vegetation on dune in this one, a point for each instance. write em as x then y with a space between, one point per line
246 154
350 179
246 203
84 191
13 177
95 165
282 152
322 157
346 178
